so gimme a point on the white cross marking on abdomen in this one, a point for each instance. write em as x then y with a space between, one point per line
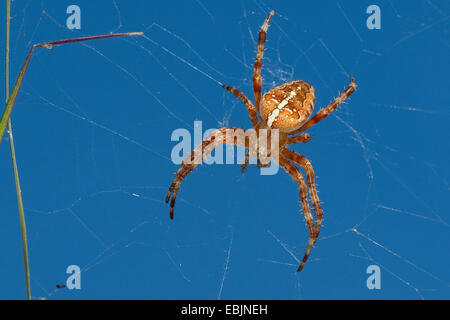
275 112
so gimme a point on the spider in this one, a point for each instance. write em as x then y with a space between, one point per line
286 108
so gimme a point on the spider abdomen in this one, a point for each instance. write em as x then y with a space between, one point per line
288 107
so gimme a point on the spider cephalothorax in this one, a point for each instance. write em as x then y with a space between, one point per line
285 113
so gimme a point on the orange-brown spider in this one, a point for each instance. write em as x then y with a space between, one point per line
285 108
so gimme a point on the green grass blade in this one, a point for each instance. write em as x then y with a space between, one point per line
23 227
12 98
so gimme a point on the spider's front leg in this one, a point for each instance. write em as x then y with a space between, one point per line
257 79
250 107
325 112
226 135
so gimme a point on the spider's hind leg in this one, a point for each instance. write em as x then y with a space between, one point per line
310 178
294 172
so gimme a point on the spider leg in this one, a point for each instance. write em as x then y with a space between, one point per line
295 173
310 177
323 113
262 165
226 135
304 137
247 161
257 80
250 107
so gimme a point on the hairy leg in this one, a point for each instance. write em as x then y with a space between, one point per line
310 177
257 80
250 107
323 113
295 173
221 136
246 161
304 137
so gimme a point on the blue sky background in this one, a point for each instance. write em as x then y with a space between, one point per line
92 131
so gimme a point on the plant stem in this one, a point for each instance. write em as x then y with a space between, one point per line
23 227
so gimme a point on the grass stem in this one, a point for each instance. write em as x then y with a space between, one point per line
23 227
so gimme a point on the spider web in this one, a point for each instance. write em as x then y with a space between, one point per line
93 124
